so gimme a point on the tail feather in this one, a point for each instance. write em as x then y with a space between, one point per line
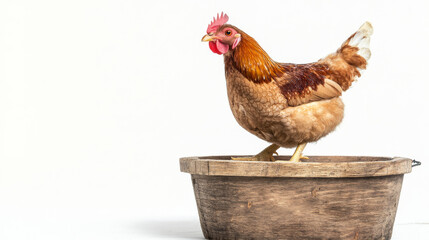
351 58
357 45
361 38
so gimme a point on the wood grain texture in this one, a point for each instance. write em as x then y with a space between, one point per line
316 166
297 208
331 197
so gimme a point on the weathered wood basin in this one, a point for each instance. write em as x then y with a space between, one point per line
324 197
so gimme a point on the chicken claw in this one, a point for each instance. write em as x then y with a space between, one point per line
265 155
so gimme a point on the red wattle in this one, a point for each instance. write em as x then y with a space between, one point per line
213 47
223 48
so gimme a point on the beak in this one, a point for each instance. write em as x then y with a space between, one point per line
208 38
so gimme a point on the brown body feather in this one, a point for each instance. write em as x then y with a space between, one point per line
289 104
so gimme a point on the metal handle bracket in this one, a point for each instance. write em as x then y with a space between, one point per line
415 163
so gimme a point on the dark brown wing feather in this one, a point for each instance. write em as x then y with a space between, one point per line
303 83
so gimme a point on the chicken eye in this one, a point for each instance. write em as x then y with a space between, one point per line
228 33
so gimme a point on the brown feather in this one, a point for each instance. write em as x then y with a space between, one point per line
299 80
328 90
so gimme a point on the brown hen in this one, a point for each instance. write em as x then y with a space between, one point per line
286 104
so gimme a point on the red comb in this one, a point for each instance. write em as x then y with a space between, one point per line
218 21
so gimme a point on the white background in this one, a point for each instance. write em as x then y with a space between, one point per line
99 99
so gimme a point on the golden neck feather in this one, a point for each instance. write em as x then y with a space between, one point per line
253 62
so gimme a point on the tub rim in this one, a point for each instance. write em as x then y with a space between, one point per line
314 167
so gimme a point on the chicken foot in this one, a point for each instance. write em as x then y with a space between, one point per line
265 155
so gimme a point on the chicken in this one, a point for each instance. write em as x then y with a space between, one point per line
288 105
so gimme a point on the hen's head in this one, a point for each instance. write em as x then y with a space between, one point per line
222 37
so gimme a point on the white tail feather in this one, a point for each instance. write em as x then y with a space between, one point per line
364 52
361 40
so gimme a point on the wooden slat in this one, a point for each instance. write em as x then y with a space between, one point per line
316 166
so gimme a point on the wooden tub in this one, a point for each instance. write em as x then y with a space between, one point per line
325 197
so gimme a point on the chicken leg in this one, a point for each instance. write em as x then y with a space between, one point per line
265 155
297 155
